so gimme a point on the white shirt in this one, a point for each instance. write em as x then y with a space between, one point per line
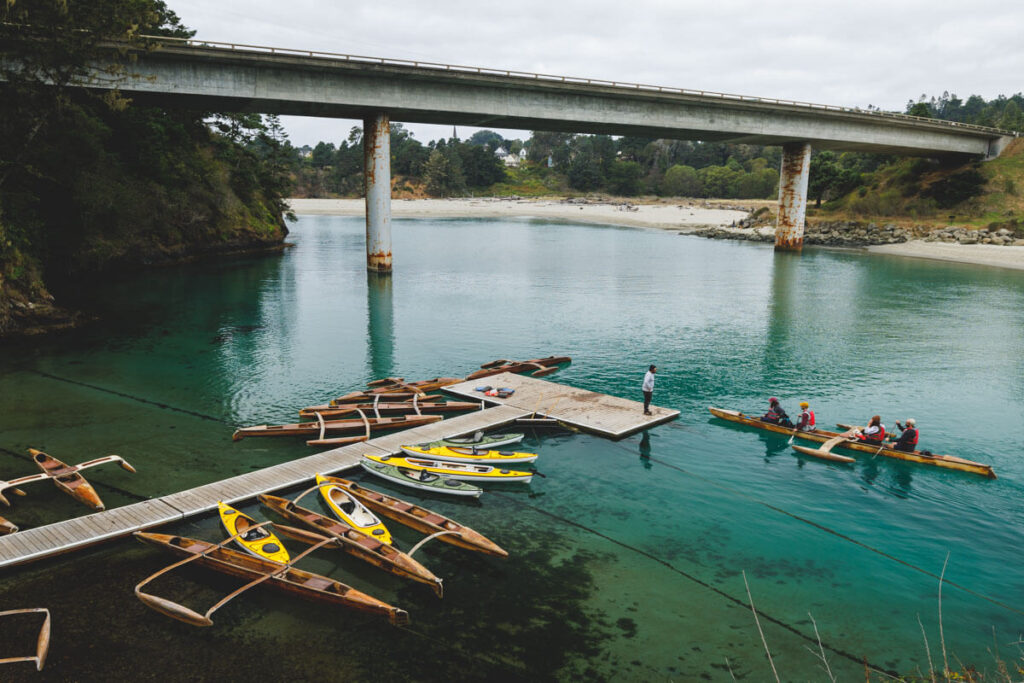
649 381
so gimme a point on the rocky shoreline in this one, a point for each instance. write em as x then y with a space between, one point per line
858 234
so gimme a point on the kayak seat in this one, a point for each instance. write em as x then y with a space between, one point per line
318 583
370 543
403 507
436 520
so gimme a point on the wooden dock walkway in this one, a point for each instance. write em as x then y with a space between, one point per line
590 411
80 532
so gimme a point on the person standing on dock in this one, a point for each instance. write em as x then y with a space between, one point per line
648 388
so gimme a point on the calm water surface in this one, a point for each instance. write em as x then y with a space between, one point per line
628 559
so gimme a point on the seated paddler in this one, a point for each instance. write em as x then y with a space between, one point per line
805 423
908 436
776 415
874 433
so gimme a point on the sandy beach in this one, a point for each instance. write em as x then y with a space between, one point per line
681 216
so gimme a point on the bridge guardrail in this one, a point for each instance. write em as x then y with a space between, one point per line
386 61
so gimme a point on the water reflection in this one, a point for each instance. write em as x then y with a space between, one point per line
380 325
645 450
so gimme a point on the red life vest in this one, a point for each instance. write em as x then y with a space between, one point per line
912 441
877 437
810 418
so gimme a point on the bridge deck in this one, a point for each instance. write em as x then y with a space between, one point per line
73 534
590 411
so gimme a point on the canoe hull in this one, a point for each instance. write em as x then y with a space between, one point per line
294 581
308 429
366 548
473 472
488 441
821 436
421 519
268 547
72 483
469 455
446 486
331 494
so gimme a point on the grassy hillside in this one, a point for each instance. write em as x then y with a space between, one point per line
926 192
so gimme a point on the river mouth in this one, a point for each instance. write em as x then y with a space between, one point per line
628 560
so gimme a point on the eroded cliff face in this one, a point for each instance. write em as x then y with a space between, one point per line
27 308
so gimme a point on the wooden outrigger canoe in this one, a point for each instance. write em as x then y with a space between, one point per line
393 384
821 436
66 477
257 570
7 526
394 396
378 407
421 519
309 429
540 366
353 542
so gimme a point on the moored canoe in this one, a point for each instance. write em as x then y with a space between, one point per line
366 548
478 440
308 429
421 519
295 581
457 454
371 408
67 479
420 479
350 510
256 540
454 470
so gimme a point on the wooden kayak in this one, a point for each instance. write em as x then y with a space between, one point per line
478 440
540 367
375 409
366 548
394 396
453 470
393 384
350 510
420 518
67 479
820 435
420 479
457 454
291 580
308 429
255 540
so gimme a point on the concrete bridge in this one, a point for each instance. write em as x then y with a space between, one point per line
229 77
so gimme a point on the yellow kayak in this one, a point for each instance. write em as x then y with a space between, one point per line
459 454
452 470
349 510
260 542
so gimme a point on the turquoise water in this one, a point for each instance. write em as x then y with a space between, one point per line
628 559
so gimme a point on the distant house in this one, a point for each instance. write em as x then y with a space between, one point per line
510 160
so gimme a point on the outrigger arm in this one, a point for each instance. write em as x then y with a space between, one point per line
188 615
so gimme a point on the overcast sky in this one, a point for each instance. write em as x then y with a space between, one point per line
846 53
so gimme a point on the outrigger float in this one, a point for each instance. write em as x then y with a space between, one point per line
846 440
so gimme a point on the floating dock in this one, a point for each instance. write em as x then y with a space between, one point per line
589 411
586 410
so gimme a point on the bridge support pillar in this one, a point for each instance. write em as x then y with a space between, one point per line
377 175
796 170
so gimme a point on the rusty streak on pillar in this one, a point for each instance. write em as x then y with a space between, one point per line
796 168
377 174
